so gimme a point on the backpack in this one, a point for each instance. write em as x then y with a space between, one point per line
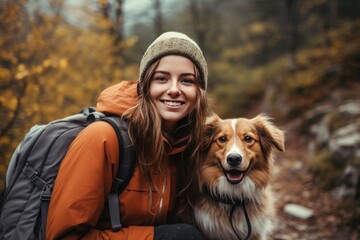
34 166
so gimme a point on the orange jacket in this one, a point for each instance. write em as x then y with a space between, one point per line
78 207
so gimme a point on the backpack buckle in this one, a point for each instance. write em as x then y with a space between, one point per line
33 176
92 117
47 193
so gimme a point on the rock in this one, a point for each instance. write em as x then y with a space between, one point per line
321 131
348 188
351 107
335 129
298 211
347 136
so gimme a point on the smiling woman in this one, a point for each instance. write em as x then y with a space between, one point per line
166 111
173 89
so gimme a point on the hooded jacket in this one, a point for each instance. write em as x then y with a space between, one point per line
78 207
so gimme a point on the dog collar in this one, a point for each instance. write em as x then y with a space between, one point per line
230 201
225 200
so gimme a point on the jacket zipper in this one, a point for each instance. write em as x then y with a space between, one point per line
161 200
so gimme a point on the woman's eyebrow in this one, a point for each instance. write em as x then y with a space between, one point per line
163 72
168 73
187 74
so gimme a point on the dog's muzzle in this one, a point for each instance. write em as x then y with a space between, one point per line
234 175
234 159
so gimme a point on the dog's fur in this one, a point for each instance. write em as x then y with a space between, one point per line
238 166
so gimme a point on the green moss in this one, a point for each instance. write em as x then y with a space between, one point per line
326 172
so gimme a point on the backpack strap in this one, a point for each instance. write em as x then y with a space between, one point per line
33 176
125 170
44 208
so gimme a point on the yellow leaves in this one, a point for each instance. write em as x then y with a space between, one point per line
233 53
11 12
57 68
46 63
38 69
257 38
129 73
63 63
8 100
3 142
102 2
129 42
8 55
4 74
258 28
262 28
54 62
22 72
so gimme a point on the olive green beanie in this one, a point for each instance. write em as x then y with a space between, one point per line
174 43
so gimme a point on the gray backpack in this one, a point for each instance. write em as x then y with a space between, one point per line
33 169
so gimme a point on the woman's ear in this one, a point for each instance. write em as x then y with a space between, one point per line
270 135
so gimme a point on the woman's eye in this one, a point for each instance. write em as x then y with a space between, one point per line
188 81
248 139
160 78
222 139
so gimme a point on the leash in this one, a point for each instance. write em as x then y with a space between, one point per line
234 204
246 217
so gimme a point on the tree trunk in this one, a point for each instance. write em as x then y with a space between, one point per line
119 21
291 33
116 26
158 19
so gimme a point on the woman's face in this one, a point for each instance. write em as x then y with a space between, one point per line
173 89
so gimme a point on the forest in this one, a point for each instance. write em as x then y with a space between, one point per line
297 61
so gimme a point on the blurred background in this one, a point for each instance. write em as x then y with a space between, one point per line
296 60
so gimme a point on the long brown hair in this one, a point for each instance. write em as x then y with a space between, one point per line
146 134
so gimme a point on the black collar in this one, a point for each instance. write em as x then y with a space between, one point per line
225 200
230 201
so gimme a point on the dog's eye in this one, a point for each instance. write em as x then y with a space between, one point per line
248 139
222 139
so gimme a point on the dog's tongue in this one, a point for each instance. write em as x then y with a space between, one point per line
234 176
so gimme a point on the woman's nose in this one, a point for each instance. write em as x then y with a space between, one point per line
174 89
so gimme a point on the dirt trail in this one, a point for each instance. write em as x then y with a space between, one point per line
293 183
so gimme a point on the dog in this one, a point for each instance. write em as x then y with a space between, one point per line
235 200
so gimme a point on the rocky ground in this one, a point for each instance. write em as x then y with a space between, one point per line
294 183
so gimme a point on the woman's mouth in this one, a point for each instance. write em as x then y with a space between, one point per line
172 103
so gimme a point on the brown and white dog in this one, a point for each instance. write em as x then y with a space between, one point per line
235 200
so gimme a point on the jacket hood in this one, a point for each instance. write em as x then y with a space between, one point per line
118 98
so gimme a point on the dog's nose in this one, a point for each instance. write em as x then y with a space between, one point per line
234 159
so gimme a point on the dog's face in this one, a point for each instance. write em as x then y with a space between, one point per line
239 155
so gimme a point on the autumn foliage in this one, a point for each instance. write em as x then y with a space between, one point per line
56 56
49 68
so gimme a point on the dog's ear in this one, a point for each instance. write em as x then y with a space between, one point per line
212 118
211 126
270 135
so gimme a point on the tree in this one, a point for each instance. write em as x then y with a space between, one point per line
158 18
114 16
291 33
50 66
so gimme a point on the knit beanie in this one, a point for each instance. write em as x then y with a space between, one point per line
174 43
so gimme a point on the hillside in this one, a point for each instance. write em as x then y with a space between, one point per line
319 108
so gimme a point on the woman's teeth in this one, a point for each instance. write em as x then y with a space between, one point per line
172 104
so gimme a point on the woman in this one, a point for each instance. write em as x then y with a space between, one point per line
166 109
